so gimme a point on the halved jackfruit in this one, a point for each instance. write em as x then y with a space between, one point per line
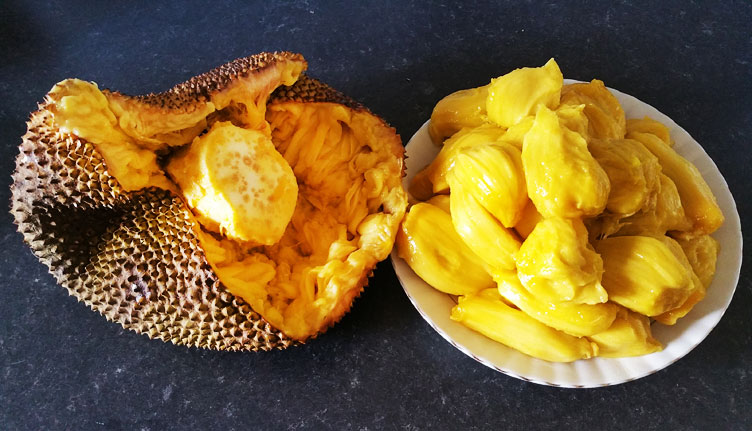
92 201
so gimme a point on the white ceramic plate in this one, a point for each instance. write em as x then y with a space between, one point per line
678 340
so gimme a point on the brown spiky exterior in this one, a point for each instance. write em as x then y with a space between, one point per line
135 256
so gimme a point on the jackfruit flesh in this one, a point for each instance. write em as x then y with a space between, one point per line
555 159
566 316
556 263
481 231
297 201
648 275
697 199
489 315
628 335
520 92
433 249
461 109
432 179
237 182
493 175
633 172
605 115
589 178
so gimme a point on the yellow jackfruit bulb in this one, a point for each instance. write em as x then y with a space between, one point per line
697 199
466 138
702 254
563 179
556 263
518 94
441 201
648 125
633 171
573 118
461 109
491 317
696 294
420 186
648 275
574 319
515 134
628 335
668 214
433 249
605 115
529 218
481 232
238 183
493 175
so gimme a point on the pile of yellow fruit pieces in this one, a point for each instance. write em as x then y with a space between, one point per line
562 227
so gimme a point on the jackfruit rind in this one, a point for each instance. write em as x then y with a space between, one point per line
135 256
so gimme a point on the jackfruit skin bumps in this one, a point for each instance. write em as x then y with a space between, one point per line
135 256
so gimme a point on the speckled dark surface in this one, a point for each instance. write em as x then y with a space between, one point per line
64 367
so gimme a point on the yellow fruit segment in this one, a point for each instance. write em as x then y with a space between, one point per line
481 231
436 172
519 93
556 263
648 125
702 254
628 335
513 328
648 275
463 108
633 171
574 319
238 183
697 199
668 214
563 178
493 175
433 249
604 112
529 218
441 201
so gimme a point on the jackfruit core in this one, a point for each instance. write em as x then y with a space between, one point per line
294 211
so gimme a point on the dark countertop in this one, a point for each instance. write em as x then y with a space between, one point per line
63 366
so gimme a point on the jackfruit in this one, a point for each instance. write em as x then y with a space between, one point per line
528 220
633 172
628 335
604 112
461 109
428 243
668 214
519 93
480 230
702 254
488 314
653 127
696 197
648 275
493 175
556 263
554 159
436 172
95 205
574 319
